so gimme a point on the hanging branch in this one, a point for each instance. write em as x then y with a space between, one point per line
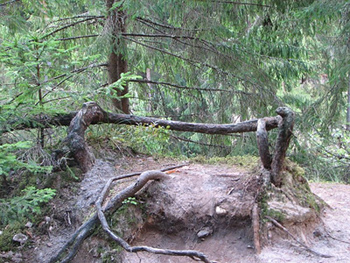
68 26
240 3
186 87
77 37
146 21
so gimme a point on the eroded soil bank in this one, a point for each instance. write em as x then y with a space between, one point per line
202 207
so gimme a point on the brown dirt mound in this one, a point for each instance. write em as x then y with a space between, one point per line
203 207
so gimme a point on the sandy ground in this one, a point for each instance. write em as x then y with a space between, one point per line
329 239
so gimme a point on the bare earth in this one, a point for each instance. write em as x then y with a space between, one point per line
327 239
210 198
232 241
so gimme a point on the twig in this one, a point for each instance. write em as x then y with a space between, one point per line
186 87
240 3
77 37
329 234
9 2
199 143
67 26
292 236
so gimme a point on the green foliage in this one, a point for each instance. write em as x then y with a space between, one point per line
131 201
144 139
25 206
111 90
246 161
9 231
10 162
324 158
208 61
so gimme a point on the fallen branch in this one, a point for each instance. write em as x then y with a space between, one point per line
118 200
292 236
73 244
46 121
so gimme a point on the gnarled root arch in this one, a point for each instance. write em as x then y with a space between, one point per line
69 250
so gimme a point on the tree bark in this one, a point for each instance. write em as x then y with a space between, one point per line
285 129
348 109
47 121
263 144
90 112
117 63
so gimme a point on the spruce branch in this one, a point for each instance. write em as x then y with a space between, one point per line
186 87
9 2
69 25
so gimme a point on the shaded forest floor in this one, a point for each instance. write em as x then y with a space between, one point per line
203 207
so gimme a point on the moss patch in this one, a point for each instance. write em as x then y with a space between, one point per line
6 242
249 162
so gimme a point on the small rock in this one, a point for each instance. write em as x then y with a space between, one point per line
29 224
220 211
49 244
1 232
204 232
21 238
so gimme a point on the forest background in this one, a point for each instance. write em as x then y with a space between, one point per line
187 60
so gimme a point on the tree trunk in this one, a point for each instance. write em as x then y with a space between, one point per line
348 109
263 144
117 63
285 129
90 112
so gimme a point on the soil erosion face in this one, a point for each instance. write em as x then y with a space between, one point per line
204 208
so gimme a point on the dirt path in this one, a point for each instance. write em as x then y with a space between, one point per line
336 221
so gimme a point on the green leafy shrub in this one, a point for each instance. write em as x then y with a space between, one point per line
10 162
25 206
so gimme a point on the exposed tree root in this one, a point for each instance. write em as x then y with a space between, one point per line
256 228
144 177
292 236
70 249
329 234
